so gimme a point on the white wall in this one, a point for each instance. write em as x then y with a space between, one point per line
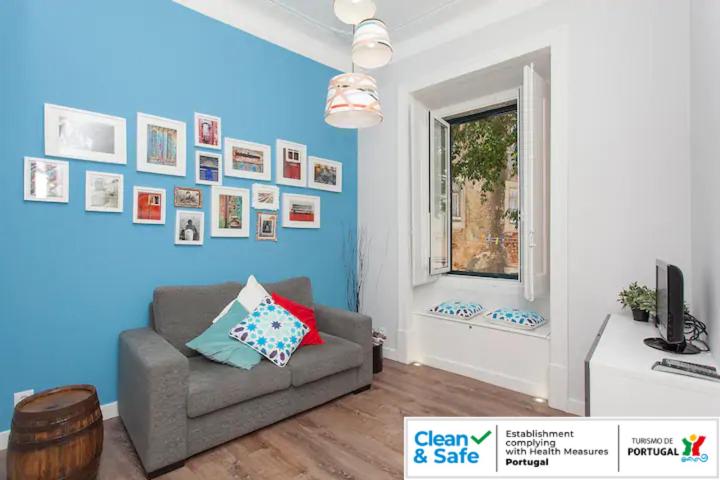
705 128
628 108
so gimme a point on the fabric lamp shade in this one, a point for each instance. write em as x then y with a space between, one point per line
353 101
371 44
353 11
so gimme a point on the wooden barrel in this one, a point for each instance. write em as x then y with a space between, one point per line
56 434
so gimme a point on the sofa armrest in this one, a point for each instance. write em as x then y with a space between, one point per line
352 326
152 397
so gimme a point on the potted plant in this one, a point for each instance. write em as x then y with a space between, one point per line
378 338
640 299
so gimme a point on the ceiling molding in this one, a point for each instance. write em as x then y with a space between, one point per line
309 30
270 22
440 31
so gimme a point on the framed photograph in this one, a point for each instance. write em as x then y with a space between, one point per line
186 197
160 145
300 211
208 131
84 135
325 174
266 226
103 192
291 163
247 160
208 168
149 205
265 197
189 227
230 208
47 180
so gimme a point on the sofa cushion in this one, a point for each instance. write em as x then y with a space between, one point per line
215 344
319 361
296 289
212 386
182 313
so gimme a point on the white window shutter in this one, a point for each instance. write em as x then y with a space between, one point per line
440 186
533 157
420 196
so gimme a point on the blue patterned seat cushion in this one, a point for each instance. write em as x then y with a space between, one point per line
271 331
457 309
526 319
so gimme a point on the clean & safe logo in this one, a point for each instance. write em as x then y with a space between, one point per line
447 448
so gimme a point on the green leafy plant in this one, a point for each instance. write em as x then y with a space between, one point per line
638 297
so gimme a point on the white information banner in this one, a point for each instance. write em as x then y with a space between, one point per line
477 447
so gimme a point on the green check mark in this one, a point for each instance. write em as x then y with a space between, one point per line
481 439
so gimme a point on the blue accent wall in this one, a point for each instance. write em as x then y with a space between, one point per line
73 280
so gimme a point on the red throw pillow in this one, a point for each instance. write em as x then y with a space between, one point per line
305 315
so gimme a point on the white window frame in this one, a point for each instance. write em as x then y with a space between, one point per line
434 117
463 109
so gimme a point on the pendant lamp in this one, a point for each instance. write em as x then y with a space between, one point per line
371 44
354 11
352 101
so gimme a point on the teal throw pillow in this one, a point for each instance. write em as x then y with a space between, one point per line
215 344
526 319
272 331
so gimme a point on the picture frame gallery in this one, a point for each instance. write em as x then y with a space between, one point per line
162 149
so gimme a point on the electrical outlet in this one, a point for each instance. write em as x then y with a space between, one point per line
19 396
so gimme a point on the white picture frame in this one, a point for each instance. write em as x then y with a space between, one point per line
251 150
151 204
104 192
322 180
85 135
297 154
189 221
46 180
205 126
220 215
176 144
203 169
309 204
259 197
266 226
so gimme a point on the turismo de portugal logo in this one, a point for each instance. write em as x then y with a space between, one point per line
692 449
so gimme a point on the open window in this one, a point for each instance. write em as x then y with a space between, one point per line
480 196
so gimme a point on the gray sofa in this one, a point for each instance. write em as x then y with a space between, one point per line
174 403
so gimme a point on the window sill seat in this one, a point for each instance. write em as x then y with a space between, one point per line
483 322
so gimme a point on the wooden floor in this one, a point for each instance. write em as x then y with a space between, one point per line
354 437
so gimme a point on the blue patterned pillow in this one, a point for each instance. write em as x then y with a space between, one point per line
458 309
271 331
526 319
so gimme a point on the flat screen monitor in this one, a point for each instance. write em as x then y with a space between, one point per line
670 310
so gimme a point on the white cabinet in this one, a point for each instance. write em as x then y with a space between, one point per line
620 382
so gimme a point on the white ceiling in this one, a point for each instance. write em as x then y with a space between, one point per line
309 27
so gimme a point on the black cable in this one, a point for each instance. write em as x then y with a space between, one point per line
694 329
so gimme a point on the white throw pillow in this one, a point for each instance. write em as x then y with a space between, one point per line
249 297
252 295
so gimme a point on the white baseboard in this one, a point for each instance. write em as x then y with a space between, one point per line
576 407
496 378
109 410
392 354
